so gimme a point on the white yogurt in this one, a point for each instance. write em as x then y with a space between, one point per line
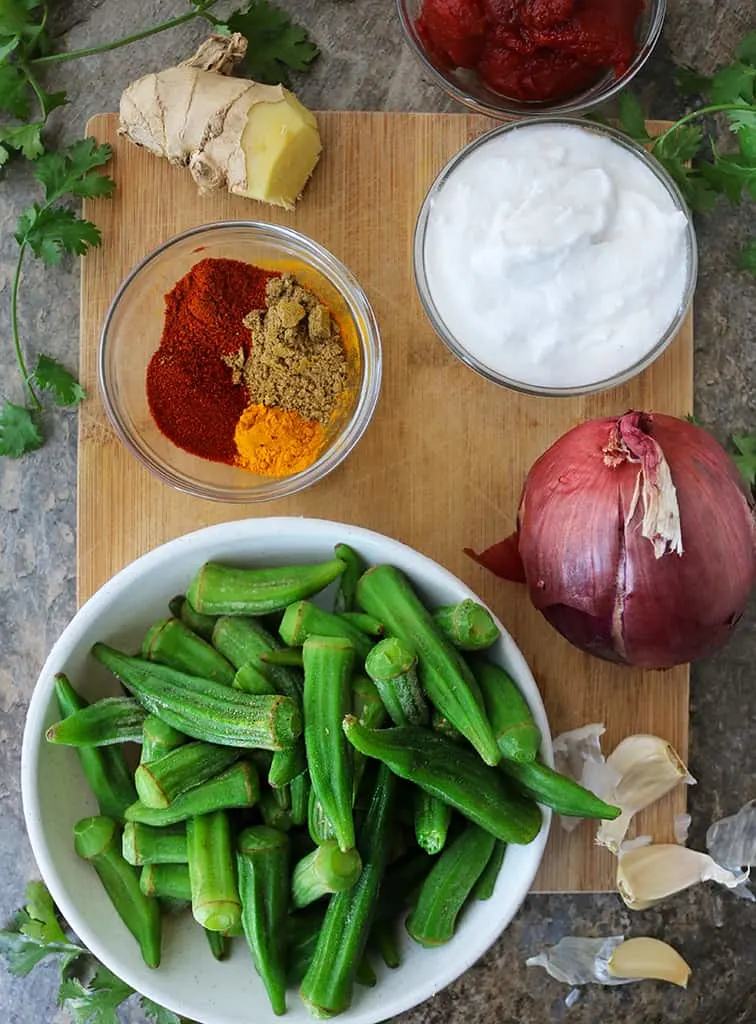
555 256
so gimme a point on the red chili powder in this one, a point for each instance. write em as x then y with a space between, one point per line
189 388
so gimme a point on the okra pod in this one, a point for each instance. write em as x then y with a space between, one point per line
517 735
273 814
432 820
200 624
325 870
203 709
451 880
263 866
327 987
353 569
243 640
369 710
468 625
224 590
171 642
212 873
286 765
238 786
302 932
445 676
158 738
366 975
110 720
252 678
97 840
286 656
218 944
452 773
328 664
104 768
144 844
393 668
166 882
402 883
383 936
559 792
366 623
484 887
161 781
319 825
175 605
304 619
299 789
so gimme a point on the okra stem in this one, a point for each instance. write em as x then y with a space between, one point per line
161 781
353 569
107 721
468 625
224 590
144 844
212 874
238 786
304 619
171 642
97 840
393 668
325 870
366 623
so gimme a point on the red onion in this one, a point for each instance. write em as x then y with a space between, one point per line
636 539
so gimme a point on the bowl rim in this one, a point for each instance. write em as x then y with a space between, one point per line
457 349
87 616
345 282
606 89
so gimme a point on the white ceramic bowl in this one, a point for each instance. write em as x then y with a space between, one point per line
55 794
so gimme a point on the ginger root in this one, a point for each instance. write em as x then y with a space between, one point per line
255 140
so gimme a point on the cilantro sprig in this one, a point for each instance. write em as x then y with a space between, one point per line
745 457
693 159
89 992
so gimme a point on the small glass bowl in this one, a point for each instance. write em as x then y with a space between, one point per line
466 86
458 349
133 328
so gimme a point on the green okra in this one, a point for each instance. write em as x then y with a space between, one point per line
299 790
468 625
238 787
110 720
365 974
328 664
97 839
452 773
484 887
366 623
145 844
171 642
370 710
517 735
304 619
104 768
175 605
329 982
204 709
444 675
273 814
161 781
159 738
202 625
225 590
166 882
319 825
212 872
442 725
324 871
353 569
218 944
432 820
402 883
252 678
244 640
392 666
286 656
263 866
286 765
302 932
443 894
560 793
384 938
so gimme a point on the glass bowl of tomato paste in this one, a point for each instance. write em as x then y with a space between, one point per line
176 399
512 58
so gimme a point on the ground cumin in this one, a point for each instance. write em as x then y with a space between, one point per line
276 442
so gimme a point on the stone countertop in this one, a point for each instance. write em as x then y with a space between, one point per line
364 65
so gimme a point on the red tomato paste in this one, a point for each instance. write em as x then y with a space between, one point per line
532 50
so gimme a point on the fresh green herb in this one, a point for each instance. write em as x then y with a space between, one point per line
745 457
51 229
747 260
38 933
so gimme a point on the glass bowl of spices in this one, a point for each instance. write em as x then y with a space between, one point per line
533 57
555 256
240 361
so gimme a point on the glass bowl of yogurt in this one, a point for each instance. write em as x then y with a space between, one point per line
556 257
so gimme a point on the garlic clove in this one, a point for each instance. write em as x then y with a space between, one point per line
575 960
648 958
646 768
648 875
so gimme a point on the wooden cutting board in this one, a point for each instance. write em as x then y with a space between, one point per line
443 462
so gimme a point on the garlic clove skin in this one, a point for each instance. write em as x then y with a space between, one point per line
646 768
649 958
647 875
577 754
732 840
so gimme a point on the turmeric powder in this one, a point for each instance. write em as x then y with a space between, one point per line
276 442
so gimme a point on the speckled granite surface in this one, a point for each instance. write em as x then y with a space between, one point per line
365 65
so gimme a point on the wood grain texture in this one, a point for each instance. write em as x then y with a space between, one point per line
442 464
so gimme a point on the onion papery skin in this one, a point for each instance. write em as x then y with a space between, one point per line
597 579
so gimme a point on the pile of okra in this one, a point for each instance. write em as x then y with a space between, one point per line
307 777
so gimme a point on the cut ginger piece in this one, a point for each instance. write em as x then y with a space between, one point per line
254 140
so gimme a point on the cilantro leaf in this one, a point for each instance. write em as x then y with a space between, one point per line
50 375
158 1014
731 174
632 118
682 144
38 933
97 1002
276 44
25 137
69 172
17 18
699 194
51 231
7 48
745 459
52 100
747 260
14 91
746 52
734 84
690 82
